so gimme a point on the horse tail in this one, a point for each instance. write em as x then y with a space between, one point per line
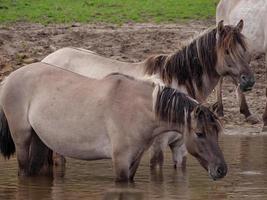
7 146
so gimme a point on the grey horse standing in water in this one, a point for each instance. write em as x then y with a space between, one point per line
44 107
194 69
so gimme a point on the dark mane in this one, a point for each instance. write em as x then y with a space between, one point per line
175 107
230 38
171 106
187 65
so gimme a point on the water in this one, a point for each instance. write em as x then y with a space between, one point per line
247 178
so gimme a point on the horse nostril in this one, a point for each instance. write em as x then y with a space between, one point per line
220 171
243 78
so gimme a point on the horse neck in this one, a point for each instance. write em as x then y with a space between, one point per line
209 83
191 70
200 57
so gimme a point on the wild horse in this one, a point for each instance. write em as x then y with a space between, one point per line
44 107
194 69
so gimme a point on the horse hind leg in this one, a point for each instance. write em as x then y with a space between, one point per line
59 160
22 149
40 157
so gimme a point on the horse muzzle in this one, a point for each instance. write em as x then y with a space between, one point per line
218 171
246 83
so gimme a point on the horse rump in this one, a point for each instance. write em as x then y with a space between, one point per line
7 146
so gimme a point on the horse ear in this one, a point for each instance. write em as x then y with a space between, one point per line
220 27
240 25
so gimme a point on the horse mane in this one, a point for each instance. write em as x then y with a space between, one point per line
171 106
190 62
230 38
175 107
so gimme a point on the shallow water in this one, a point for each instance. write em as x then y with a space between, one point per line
247 178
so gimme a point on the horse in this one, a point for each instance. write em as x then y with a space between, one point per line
47 108
194 69
256 33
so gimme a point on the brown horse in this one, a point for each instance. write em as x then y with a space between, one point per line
256 33
195 69
44 107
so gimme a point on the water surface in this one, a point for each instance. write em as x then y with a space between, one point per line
247 178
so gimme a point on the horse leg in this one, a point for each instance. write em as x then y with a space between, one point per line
252 119
179 153
134 166
156 153
121 165
22 151
218 106
264 116
58 160
40 157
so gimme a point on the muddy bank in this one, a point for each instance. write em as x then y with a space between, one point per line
24 43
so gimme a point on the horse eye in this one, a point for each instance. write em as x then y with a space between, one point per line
200 135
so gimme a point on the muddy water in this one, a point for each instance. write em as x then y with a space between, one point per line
247 178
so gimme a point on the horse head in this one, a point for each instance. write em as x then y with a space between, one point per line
233 56
201 141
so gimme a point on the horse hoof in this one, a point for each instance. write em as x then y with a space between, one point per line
253 119
264 129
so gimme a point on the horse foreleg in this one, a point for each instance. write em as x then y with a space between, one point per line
134 166
157 156
121 166
218 106
179 153
244 109
264 116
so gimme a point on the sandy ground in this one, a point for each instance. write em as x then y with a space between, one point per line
23 43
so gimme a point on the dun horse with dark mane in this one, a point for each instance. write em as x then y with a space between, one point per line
195 69
44 107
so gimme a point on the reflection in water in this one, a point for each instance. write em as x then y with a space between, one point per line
247 178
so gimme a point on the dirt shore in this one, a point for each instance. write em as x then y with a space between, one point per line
24 43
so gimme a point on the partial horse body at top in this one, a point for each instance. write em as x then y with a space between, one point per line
194 69
254 14
46 108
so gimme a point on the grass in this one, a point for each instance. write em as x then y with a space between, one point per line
110 11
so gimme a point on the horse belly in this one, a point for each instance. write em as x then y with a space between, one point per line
72 136
85 149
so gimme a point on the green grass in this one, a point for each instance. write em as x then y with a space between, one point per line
110 11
